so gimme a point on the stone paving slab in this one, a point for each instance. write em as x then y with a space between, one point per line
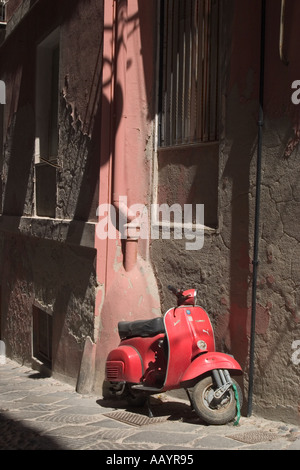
39 413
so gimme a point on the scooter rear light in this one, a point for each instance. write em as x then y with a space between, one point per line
114 370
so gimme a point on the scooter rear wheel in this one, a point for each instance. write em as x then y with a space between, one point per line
214 411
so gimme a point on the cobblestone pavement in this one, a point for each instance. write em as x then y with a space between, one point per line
38 413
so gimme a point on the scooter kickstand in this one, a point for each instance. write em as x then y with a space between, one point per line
190 398
150 414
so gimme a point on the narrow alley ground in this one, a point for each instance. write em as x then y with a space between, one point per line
38 413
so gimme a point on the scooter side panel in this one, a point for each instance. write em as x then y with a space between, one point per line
189 332
210 361
124 364
201 330
152 357
179 346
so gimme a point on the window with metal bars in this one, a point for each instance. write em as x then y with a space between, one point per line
47 132
3 11
189 50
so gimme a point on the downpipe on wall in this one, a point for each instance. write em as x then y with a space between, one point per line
281 34
257 205
120 182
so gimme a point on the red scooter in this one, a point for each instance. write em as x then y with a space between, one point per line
171 352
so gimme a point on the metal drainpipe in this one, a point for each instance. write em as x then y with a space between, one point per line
120 183
257 204
281 34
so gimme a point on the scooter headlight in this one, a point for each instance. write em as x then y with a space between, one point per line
202 345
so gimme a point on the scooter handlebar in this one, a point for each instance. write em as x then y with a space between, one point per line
174 290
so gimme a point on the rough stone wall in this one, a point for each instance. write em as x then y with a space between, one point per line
277 372
278 325
56 276
46 274
78 172
222 270
79 124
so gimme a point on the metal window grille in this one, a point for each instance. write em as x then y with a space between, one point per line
189 72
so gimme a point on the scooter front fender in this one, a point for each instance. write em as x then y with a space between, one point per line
210 361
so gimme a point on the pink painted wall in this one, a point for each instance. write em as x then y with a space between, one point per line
125 295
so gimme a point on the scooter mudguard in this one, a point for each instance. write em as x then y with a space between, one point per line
210 361
124 364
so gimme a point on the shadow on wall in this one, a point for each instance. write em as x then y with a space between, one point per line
243 128
28 260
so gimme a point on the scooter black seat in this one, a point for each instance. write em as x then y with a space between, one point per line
143 328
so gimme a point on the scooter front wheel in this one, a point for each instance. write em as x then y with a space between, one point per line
211 410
